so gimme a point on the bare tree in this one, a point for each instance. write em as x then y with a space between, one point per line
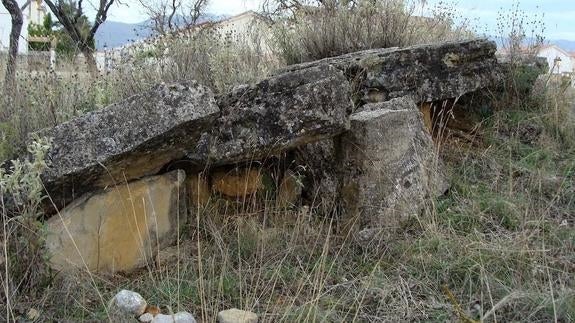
70 14
17 22
170 15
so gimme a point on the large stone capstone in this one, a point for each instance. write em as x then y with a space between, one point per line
126 140
277 114
120 228
426 72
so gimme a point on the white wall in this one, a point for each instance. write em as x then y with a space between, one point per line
243 25
566 65
5 25
33 13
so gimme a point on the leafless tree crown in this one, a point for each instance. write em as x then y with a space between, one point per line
169 15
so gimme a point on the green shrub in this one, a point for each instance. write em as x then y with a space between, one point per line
24 266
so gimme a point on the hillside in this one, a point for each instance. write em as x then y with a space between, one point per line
112 34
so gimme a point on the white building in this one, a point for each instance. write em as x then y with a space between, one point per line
33 12
559 60
236 28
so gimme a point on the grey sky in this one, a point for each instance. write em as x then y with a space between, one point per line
131 12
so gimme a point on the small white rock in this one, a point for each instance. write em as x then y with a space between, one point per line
180 317
130 302
33 314
184 317
163 318
146 318
237 316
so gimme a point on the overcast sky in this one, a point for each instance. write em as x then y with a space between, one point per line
559 15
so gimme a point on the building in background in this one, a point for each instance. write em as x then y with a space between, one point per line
560 61
249 27
34 12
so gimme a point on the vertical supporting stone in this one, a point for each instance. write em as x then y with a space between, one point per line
320 163
426 111
198 188
120 228
389 165
289 191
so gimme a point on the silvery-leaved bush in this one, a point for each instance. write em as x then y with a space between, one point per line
23 183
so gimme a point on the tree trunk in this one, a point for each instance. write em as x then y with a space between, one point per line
90 61
11 65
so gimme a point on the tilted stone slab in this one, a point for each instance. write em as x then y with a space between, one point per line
389 165
427 72
120 228
277 114
126 140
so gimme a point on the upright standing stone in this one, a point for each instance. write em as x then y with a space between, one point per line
120 228
389 164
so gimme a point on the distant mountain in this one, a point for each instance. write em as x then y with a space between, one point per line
113 34
568 45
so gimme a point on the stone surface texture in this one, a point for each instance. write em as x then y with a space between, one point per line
389 164
280 113
238 182
146 318
321 182
427 72
118 229
180 317
289 191
130 302
126 140
235 315
198 189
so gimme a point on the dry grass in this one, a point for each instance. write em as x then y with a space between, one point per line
498 247
313 34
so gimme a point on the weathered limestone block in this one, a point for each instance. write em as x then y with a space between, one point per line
198 189
126 140
120 228
427 72
289 191
238 182
277 114
321 184
389 164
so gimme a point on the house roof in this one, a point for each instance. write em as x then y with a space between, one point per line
237 17
184 31
525 49
557 48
